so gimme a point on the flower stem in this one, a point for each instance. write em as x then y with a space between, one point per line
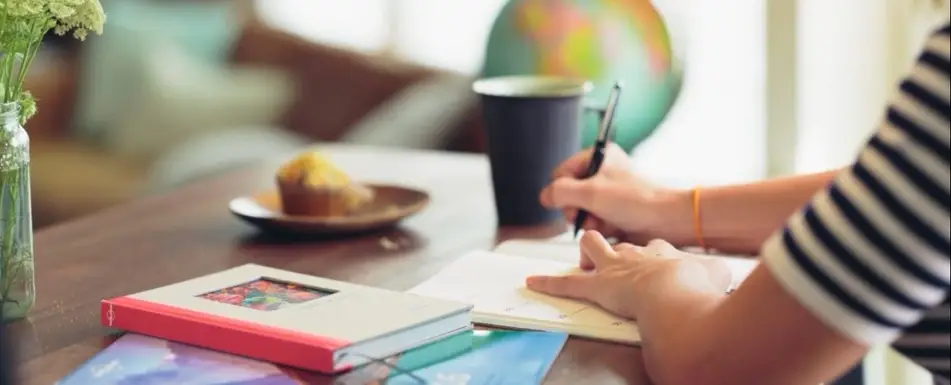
33 47
11 180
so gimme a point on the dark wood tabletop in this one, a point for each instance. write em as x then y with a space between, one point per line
189 232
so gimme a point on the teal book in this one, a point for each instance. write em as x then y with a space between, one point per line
498 357
471 358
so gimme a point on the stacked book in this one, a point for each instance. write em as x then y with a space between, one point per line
258 325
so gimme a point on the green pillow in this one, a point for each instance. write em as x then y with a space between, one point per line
202 31
206 30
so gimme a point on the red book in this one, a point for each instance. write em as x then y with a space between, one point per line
287 318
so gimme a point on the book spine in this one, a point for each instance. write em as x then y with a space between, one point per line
223 334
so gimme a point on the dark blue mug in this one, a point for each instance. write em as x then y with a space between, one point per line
532 124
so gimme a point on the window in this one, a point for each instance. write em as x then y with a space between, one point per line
356 24
716 131
445 34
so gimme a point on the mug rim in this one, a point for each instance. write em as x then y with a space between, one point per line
538 86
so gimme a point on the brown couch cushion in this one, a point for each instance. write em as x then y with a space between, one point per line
52 80
336 87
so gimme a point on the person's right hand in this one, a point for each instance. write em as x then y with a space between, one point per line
619 204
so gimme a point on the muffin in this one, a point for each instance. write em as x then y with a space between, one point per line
310 185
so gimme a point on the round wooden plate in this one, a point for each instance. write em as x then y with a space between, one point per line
391 204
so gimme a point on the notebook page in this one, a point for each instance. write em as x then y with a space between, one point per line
557 250
495 285
567 251
566 237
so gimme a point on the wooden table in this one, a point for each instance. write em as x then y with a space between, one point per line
189 232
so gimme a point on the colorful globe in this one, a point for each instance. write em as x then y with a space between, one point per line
602 41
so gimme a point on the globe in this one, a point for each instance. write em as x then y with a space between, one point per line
603 41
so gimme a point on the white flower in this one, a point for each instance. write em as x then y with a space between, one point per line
60 10
78 16
22 8
63 16
23 23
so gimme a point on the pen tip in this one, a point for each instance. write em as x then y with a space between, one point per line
617 85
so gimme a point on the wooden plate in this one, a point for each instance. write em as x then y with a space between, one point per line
391 204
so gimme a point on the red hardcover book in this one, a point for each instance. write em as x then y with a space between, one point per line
287 318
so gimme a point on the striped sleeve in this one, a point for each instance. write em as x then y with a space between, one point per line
869 255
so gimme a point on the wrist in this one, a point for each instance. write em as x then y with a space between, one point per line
680 281
674 222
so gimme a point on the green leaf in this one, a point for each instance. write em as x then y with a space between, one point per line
27 106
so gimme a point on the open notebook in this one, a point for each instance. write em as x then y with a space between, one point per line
494 282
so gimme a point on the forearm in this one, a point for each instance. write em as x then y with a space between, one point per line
759 335
806 314
738 218
663 325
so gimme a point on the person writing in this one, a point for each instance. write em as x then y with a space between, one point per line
851 258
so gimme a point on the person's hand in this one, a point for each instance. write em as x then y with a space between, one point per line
623 273
619 204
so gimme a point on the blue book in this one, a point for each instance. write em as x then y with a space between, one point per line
471 358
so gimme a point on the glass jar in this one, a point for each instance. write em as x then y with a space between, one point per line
17 287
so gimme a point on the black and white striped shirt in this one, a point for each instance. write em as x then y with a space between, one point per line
871 255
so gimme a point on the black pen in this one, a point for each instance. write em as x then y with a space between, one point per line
597 157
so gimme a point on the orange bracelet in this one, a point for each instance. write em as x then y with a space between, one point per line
697 228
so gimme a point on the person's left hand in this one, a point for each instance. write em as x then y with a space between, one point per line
623 273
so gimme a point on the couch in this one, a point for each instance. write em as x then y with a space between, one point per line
337 95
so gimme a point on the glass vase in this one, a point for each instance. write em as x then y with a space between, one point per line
17 287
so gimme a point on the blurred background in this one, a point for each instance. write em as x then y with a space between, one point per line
180 89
